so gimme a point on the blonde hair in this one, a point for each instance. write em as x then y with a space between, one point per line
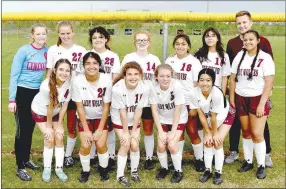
60 24
142 32
38 25
163 66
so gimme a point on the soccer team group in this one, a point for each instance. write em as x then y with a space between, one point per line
102 96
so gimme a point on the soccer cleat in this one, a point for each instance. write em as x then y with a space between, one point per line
207 174
104 176
124 181
111 164
177 177
84 176
162 173
245 166
31 165
135 176
233 156
268 161
46 175
23 175
61 175
149 164
68 161
261 172
217 178
199 165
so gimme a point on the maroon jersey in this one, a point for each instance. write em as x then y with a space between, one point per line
235 45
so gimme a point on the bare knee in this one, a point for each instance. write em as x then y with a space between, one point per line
173 148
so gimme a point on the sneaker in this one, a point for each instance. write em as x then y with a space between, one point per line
31 165
128 163
124 181
68 161
104 176
61 175
149 164
199 165
177 177
207 174
46 175
233 156
261 172
84 176
268 161
245 166
162 173
111 164
23 175
135 176
217 178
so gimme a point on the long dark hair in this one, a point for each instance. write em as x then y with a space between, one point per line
243 55
185 37
202 53
101 30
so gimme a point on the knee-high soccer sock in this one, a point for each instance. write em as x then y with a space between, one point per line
208 158
181 146
201 134
103 159
177 161
260 152
134 157
248 149
121 163
198 151
163 159
48 157
149 146
59 155
219 158
92 150
85 162
111 143
70 146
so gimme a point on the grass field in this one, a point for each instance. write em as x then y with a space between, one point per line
123 45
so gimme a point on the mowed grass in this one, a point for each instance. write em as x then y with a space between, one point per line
123 45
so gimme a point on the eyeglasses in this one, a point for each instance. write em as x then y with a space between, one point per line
141 41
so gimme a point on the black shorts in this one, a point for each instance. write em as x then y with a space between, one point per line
147 113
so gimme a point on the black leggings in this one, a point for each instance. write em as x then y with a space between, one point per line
25 125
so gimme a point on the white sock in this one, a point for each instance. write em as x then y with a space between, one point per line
248 149
59 155
149 146
92 150
208 158
219 158
135 158
111 143
121 163
260 152
163 159
48 156
198 150
70 146
181 146
103 159
177 161
85 162
201 134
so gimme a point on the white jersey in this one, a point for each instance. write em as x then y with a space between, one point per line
42 99
92 95
148 64
73 54
214 103
128 99
215 62
166 101
264 66
186 70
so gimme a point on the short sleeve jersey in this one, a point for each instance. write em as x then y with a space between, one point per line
42 99
264 66
128 99
186 71
92 95
167 100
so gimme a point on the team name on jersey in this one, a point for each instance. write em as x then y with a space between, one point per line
168 106
216 70
181 76
41 66
148 76
92 103
245 72
133 107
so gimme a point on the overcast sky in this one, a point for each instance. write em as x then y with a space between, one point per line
194 6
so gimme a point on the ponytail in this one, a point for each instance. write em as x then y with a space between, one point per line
253 63
53 90
59 41
238 67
